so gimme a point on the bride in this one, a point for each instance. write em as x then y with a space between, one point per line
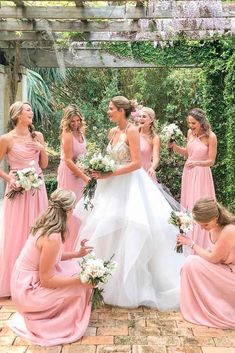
130 220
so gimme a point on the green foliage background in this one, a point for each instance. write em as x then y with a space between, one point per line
207 80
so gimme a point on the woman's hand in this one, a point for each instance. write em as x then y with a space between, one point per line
183 240
99 175
12 183
36 145
84 250
152 172
171 145
192 164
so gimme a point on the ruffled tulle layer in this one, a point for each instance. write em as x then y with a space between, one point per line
130 220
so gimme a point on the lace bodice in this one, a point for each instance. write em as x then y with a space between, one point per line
120 152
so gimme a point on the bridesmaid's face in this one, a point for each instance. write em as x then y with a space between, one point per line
75 123
194 125
26 116
144 119
209 225
113 113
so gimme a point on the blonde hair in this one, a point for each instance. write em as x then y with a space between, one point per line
54 218
154 125
14 111
200 116
207 209
69 112
122 102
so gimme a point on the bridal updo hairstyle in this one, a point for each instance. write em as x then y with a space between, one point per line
54 219
121 102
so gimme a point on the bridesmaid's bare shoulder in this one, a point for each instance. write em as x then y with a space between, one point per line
212 136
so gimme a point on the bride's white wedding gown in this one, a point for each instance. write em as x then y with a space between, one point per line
130 219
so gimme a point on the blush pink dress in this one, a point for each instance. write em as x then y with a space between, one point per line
208 291
146 153
67 180
20 213
47 316
197 182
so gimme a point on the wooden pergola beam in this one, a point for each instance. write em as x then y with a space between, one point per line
102 26
42 37
89 58
104 12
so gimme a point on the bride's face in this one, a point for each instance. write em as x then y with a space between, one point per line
113 113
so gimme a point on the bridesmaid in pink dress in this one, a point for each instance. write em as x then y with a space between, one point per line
70 176
53 305
207 278
21 146
150 150
149 142
197 179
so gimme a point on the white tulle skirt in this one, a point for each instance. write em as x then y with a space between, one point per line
130 220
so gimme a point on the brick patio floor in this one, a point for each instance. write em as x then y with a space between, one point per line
141 330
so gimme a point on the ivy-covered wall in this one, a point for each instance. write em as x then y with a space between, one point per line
217 59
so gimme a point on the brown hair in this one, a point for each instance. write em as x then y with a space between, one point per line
69 112
54 218
200 116
14 111
122 102
206 209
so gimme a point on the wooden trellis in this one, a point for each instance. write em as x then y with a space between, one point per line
41 32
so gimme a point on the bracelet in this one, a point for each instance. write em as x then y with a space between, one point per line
192 244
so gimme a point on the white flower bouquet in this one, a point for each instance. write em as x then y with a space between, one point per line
171 132
99 163
26 179
184 221
96 271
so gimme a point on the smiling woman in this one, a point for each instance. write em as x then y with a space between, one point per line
22 147
197 179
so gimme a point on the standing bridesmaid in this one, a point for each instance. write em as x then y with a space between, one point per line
149 142
70 176
197 178
22 145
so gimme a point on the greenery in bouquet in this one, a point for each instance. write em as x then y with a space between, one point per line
184 222
25 179
95 271
94 160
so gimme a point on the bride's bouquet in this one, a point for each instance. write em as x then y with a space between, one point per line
98 163
184 221
26 179
96 271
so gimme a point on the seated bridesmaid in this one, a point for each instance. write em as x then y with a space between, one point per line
53 306
207 278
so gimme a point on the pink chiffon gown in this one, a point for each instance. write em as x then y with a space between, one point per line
197 182
208 291
146 153
67 180
47 316
19 214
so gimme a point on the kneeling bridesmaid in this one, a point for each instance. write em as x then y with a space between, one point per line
53 305
208 278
